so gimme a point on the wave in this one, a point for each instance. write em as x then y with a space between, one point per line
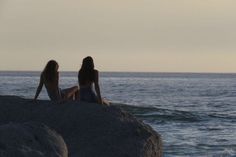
154 114
226 116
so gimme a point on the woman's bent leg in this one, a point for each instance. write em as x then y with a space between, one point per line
70 93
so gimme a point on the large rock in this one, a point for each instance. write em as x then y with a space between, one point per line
88 129
30 140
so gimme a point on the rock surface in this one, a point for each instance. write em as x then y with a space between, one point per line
30 140
87 129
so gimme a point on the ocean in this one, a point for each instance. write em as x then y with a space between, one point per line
194 113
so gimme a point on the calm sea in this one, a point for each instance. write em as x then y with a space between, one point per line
194 113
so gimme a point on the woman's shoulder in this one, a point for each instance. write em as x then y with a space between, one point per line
43 76
96 72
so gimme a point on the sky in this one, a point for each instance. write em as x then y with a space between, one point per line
121 35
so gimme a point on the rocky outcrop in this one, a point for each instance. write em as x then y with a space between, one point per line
30 140
87 129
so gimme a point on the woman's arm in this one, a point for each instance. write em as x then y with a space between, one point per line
40 86
97 88
62 98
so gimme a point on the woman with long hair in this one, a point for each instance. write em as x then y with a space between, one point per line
88 76
50 79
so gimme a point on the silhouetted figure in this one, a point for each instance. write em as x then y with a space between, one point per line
50 79
88 76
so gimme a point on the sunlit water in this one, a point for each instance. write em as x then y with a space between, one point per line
194 113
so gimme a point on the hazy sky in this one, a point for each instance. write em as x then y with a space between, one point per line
121 35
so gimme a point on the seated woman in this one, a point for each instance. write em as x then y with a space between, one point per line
50 78
88 76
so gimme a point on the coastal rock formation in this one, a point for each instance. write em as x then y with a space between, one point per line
88 129
30 140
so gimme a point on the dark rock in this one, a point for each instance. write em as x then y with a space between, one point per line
88 129
18 140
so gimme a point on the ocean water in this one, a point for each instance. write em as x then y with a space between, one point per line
194 113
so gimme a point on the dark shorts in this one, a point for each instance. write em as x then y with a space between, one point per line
88 95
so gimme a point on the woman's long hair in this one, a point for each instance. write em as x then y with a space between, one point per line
50 71
86 73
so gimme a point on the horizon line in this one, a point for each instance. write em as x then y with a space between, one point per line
187 72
